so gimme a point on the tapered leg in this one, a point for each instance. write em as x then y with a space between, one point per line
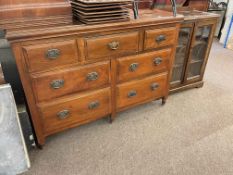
39 146
40 141
164 99
112 118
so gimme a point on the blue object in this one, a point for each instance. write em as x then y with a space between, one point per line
228 32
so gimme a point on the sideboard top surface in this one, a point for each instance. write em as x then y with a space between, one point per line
146 17
197 15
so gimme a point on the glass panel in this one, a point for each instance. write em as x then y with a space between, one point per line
181 50
194 69
184 37
199 50
177 74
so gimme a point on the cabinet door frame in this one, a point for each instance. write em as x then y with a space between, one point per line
176 84
197 24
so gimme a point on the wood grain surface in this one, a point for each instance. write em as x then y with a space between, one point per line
91 68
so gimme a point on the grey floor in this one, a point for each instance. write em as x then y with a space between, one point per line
191 135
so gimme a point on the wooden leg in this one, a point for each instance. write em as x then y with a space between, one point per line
112 117
39 146
200 85
40 142
164 99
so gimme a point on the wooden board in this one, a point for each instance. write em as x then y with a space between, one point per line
112 11
94 5
104 21
103 1
101 15
100 11
12 9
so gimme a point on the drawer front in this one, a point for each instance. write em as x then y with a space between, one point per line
43 56
156 38
141 90
64 113
112 45
144 64
55 84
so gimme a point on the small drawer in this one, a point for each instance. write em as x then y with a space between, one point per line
44 56
137 92
156 38
63 113
55 84
144 64
111 45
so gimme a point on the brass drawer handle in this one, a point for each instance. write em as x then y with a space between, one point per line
94 105
63 114
92 76
114 45
157 61
160 38
133 67
52 54
154 86
57 84
132 93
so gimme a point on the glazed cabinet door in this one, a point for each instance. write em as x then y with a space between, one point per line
199 52
181 57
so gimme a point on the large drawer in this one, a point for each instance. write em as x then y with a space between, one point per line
156 38
143 64
111 45
63 113
138 91
63 82
45 56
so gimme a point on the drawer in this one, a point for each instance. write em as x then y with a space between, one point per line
144 64
58 83
156 38
63 113
44 56
111 45
136 92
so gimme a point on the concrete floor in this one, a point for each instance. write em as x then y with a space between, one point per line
191 135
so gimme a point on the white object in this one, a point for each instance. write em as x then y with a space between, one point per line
227 22
13 153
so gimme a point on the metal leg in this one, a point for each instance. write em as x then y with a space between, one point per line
173 2
135 9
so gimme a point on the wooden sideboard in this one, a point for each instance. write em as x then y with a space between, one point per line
76 74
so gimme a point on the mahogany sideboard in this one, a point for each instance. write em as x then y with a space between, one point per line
75 74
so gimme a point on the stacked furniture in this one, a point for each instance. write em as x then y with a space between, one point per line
194 44
75 74
18 14
101 11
